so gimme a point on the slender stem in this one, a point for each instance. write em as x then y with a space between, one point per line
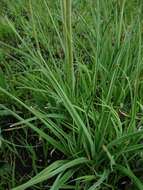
67 11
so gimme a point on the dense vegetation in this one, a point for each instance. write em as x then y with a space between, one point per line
71 94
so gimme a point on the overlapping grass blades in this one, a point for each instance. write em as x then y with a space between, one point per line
91 115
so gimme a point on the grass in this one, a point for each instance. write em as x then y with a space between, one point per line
71 95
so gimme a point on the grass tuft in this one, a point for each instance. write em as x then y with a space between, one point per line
71 86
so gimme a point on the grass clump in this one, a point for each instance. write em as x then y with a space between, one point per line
71 108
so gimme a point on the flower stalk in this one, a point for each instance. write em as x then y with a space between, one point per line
67 20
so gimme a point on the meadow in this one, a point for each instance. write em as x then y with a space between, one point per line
71 94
